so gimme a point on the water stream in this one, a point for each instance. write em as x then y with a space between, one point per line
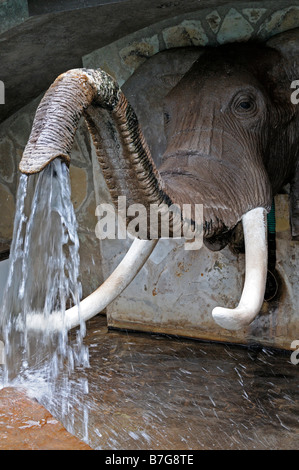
43 278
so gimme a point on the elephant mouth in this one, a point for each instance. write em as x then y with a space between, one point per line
129 170
223 199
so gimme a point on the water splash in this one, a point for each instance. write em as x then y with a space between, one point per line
44 278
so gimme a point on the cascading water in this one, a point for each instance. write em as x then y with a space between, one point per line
43 278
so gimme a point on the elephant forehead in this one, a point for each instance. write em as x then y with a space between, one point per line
215 73
206 169
201 87
194 143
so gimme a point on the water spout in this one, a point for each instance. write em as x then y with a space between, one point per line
44 267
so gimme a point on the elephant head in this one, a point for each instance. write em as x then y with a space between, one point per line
231 131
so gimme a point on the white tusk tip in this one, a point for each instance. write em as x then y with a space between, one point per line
255 235
232 319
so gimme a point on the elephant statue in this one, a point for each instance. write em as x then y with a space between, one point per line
232 144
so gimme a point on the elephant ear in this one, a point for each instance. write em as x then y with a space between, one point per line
147 87
287 44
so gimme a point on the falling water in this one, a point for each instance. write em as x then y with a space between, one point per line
43 278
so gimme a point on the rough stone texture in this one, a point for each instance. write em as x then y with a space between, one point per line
122 57
254 14
26 425
188 33
136 53
280 21
6 164
234 28
49 42
7 210
78 178
282 214
206 26
12 13
214 20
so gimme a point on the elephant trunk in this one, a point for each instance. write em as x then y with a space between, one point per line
56 121
121 149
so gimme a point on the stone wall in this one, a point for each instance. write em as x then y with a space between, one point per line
208 27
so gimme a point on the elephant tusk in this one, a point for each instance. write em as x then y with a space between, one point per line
256 256
120 278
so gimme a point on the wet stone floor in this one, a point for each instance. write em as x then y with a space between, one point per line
155 392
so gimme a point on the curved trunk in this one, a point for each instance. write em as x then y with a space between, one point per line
122 152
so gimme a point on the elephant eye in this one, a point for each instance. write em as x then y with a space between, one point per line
245 105
166 117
